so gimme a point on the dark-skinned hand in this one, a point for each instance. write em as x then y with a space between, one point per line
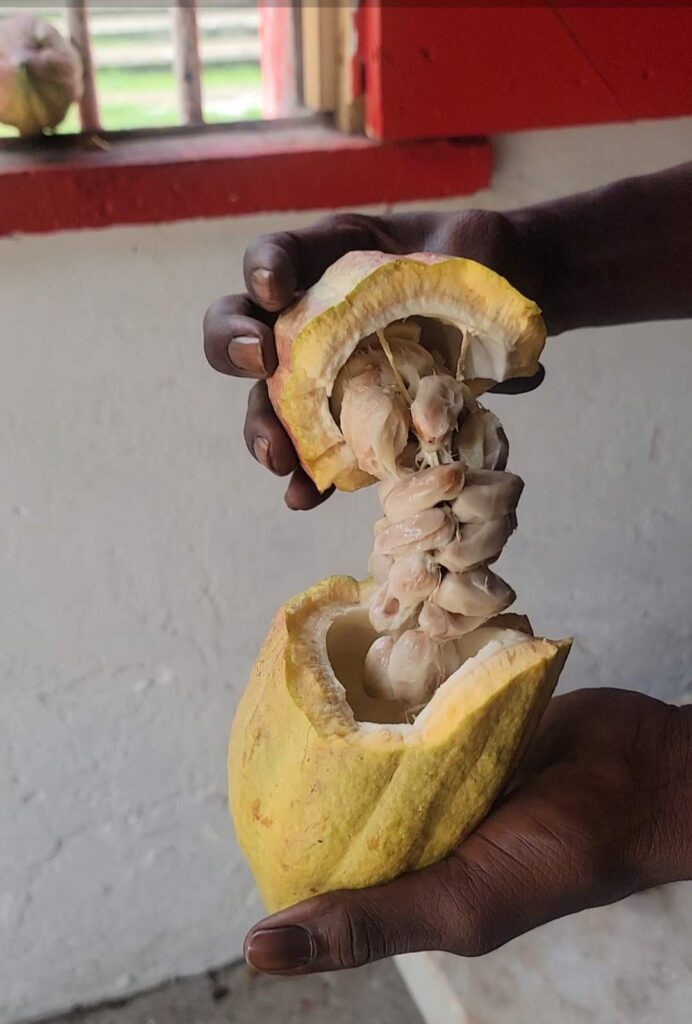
603 808
238 336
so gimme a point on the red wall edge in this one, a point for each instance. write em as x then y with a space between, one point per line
72 194
278 60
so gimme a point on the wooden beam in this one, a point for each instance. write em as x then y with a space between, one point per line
350 104
188 67
78 27
320 56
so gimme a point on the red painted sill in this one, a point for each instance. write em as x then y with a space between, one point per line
59 184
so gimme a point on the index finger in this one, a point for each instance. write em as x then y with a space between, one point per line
276 266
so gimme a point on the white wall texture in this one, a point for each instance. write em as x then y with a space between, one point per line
144 553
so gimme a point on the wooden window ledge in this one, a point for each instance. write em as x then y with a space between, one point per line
67 183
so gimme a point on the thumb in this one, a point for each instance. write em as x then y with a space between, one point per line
350 928
277 265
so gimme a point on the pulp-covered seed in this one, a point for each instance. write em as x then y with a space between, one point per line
436 409
421 490
416 667
379 566
424 531
423 614
375 422
384 488
481 442
441 625
387 613
413 577
412 361
376 681
478 592
487 494
476 543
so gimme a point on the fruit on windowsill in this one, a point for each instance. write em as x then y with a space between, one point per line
40 75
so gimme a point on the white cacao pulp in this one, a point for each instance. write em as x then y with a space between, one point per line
448 510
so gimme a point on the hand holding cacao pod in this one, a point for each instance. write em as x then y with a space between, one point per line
603 803
238 329
601 809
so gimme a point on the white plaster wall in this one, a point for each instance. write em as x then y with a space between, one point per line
144 553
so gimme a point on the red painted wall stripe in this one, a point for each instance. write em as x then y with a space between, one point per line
467 69
336 172
278 60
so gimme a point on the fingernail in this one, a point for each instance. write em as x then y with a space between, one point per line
261 450
246 354
263 285
272 950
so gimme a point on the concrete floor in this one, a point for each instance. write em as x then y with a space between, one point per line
236 995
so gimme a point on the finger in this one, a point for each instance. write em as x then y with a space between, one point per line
277 266
346 929
302 494
238 338
266 439
520 385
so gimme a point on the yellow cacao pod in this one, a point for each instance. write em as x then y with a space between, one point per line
322 800
40 75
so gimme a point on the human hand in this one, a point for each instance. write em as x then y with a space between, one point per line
602 808
238 335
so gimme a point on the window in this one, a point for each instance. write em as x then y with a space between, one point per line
158 66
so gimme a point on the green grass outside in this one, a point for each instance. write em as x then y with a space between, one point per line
147 98
156 36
